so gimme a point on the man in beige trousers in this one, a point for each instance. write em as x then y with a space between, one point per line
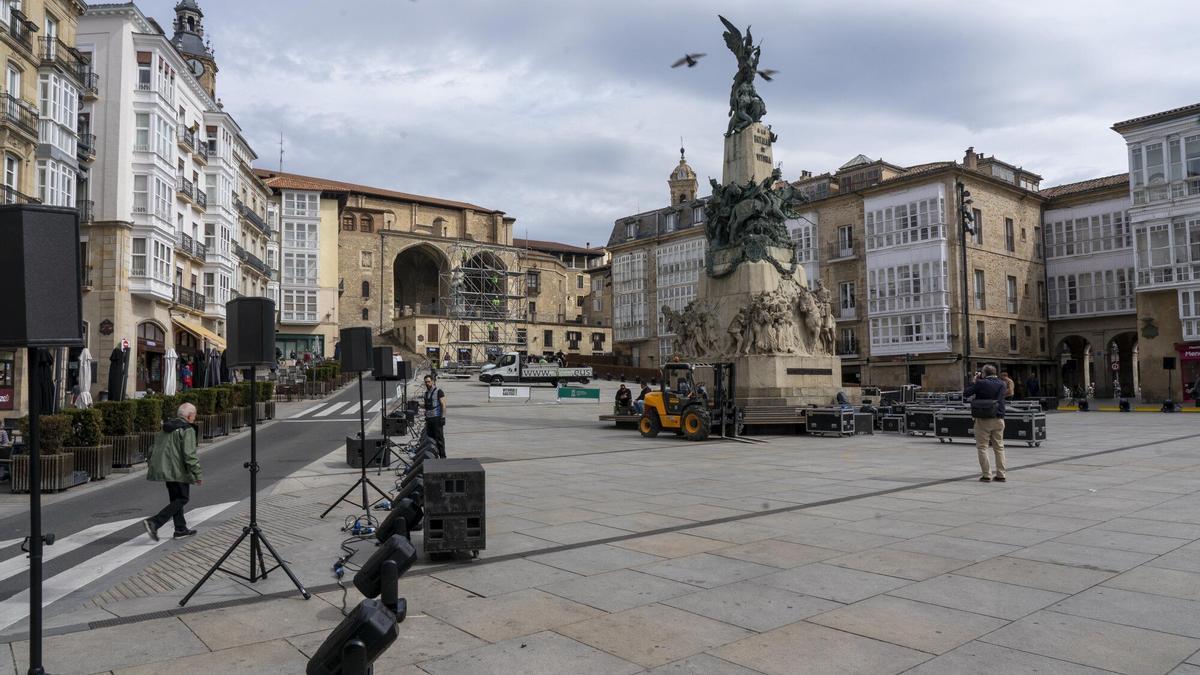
987 408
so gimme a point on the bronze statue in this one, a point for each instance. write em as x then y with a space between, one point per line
745 105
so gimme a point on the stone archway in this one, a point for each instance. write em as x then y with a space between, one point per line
416 276
1122 350
1075 363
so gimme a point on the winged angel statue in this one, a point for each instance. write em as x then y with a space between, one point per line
745 105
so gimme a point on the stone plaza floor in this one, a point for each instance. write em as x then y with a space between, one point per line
610 553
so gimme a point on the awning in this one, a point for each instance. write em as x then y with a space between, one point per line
201 332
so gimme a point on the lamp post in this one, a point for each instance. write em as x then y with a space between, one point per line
967 224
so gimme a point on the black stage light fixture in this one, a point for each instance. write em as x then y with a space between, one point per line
383 570
404 518
1123 405
414 490
1083 405
358 640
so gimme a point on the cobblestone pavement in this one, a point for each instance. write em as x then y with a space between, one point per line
612 553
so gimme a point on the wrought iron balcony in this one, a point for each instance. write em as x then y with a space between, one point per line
86 147
19 115
85 208
254 219
201 154
186 189
10 196
90 80
838 251
186 138
189 298
17 31
201 200
191 248
66 57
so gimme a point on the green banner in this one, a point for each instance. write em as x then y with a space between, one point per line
578 392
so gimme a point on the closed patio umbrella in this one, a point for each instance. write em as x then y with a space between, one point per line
170 375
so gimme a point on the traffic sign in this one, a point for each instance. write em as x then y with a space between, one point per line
1116 365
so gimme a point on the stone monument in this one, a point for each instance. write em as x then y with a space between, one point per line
754 306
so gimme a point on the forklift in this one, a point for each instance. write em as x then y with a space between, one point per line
689 410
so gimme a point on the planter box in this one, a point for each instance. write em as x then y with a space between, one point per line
97 461
213 426
266 410
126 450
58 472
241 417
146 441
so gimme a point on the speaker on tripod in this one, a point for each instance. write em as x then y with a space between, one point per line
250 323
40 306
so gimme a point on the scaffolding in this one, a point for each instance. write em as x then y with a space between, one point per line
484 299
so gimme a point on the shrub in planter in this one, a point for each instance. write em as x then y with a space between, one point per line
53 431
221 396
118 417
149 414
169 405
203 399
266 391
57 467
84 442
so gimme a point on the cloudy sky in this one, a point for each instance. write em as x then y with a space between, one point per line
566 115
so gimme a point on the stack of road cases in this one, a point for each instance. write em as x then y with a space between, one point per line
1025 424
829 421
918 419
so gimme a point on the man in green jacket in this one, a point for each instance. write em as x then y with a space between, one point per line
173 461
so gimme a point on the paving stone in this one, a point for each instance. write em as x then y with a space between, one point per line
803 648
706 570
894 527
506 543
672 544
106 649
1186 669
1095 643
701 512
560 516
501 617
246 624
1034 574
904 564
1186 559
595 559
1153 612
938 517
929 628
1043 522
654 635
268 658
1123 541
420 591
643 522
778 553
953 547
1088 557
1157 528
619 590
503 577
575 533
1005 601
750 605
1159 581
540 654
833 583
701 664
981 658
840 540
737 532
1002 534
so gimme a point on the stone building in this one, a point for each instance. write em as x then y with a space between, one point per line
177 223
1090 280
1164 217
45 142
432 276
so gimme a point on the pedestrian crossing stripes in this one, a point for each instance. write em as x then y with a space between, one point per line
57 587
338 410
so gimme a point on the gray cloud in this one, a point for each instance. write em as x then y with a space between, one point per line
565 114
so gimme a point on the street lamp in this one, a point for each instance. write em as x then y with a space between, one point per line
967 224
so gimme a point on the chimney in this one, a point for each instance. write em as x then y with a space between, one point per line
806 174
587 245
969 159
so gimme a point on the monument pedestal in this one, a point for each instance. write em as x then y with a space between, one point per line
748 155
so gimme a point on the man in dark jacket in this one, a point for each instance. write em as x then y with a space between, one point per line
624 400
173 461
989 420
639 404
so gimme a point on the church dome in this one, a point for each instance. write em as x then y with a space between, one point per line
188 5
683 171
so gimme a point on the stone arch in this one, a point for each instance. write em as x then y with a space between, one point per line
1122 349
1076 370
416 277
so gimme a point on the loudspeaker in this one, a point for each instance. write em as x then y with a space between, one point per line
355 345
383 366
374 452
250 326
402 372
40 298
1168 363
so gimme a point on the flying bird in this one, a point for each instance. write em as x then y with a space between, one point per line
689 59
767 74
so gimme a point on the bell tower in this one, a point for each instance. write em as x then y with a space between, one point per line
682 182
189 40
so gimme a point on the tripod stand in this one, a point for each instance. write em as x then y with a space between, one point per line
362 481
258 567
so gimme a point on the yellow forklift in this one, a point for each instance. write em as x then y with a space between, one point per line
691 409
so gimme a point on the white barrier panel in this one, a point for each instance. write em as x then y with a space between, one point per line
508 392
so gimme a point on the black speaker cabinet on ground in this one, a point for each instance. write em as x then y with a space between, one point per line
40 301
454 505
374 454
250 324
355 345
383 365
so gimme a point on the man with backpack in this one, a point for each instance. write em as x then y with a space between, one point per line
987 394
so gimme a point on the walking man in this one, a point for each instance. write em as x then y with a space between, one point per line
173 461
987 408
435 415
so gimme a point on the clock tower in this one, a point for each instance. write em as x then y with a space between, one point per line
189 40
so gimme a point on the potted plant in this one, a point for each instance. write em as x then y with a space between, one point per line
84 442
118 431
222 405
239 400
57 467
147 422
265 395
211 424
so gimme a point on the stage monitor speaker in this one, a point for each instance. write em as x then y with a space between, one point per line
383 366
250 328
1168 363
40 281
355 346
